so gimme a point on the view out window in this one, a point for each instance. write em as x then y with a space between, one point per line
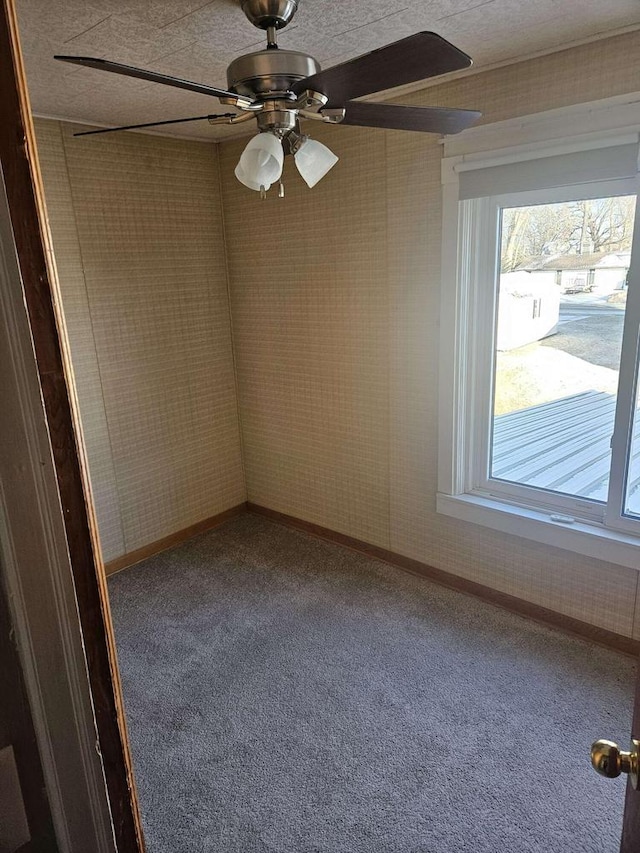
561 289
632 488
539 398
542 422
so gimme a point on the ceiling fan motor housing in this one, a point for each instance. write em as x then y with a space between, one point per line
270 73
269 13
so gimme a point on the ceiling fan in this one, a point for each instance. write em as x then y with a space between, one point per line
279 88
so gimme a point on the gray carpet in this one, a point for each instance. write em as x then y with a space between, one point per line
284 694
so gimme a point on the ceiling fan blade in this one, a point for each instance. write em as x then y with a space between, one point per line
152 76
406 61
398 117
152 124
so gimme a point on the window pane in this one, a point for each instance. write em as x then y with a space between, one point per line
561 303
632 497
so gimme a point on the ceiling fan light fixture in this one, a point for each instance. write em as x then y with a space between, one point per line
313 160
261 162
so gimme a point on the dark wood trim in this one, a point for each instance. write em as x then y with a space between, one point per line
18 159
509 602
159 545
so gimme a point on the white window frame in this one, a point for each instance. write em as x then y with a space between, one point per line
469 254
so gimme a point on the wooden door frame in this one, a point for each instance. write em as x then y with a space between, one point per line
50 556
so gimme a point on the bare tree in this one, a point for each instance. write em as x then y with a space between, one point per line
603 224
515 227
568 228
530 232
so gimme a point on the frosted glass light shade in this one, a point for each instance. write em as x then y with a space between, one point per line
261 162
313 160
252 185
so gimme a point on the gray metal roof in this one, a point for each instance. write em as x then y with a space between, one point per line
563 446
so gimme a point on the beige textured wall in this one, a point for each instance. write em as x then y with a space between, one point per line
335 301
138 238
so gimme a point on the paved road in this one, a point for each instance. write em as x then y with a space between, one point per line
587 303
593 333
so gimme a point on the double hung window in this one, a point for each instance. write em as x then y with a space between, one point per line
540 399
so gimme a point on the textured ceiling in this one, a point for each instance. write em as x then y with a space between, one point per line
196 40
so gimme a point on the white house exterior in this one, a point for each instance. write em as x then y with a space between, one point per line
603 272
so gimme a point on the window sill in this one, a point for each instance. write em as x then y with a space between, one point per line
591 540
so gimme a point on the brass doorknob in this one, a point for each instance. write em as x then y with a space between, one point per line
609 760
